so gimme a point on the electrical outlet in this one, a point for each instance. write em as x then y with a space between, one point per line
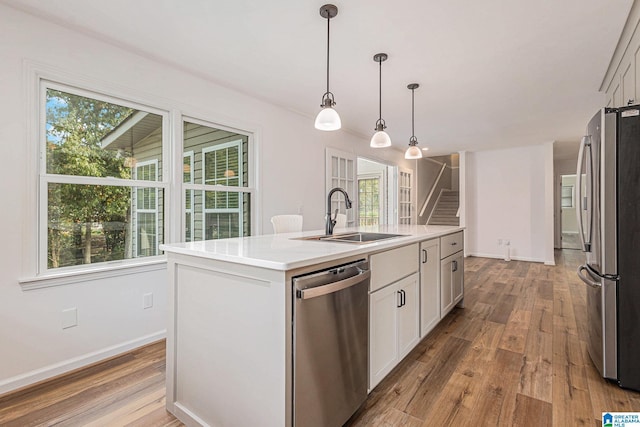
147 300
499 242
69 318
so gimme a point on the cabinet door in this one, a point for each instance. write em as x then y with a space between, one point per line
408 315
429 285
446 285
383 333
458 277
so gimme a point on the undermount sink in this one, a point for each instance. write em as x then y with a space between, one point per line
358 237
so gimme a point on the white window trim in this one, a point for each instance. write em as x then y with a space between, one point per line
45 179
175 113
253 135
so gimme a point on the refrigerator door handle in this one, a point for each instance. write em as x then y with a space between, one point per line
585 144
586 280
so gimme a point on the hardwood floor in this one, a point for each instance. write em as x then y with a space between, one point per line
515 355
125 391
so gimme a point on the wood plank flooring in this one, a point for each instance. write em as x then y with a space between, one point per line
128 390
514 356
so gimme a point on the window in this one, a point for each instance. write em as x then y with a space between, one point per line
340 171
405 198
218 187
369 200
101 179
567 196
104 181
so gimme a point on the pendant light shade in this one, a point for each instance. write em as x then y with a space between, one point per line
413 152
328 118
380 139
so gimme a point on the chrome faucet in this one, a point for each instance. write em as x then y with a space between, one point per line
331 222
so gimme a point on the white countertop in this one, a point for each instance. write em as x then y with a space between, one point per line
284 252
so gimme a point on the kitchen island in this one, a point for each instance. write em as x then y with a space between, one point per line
229 337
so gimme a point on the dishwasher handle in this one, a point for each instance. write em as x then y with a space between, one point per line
334 286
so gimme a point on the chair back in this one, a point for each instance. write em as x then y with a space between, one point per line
341 221
286 223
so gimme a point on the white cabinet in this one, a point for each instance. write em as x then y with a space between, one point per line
451 271
394 325
429 285
451 282
392 265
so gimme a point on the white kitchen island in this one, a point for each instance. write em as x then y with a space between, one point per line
229 336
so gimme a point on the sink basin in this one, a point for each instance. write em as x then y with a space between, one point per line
358 237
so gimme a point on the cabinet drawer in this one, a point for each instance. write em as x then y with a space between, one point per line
389 266
451 244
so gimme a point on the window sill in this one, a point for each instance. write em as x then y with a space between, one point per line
99 272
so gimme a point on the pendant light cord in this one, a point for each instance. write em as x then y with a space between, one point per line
380 92
328 19
413 132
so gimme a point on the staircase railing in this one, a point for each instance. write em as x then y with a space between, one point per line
433 189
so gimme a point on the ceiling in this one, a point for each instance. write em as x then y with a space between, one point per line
492 73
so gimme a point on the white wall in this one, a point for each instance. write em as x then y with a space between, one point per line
506 198
111 319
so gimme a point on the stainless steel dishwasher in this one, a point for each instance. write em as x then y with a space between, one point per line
330 344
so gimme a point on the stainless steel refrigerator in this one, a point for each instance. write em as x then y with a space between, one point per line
608 193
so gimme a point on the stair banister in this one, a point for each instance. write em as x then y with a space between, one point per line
433 189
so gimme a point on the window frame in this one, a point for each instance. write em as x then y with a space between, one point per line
45 178
174 113
252 187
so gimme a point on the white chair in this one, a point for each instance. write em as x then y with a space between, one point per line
286 223
341 221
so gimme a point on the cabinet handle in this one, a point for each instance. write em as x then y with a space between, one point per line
454 243
424 256
403 298
454 266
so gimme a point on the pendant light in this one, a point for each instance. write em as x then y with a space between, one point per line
328 118
380 139
413 152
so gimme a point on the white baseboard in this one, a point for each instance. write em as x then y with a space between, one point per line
51 371
514 258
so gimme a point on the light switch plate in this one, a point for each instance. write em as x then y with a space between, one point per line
147 300
69 318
